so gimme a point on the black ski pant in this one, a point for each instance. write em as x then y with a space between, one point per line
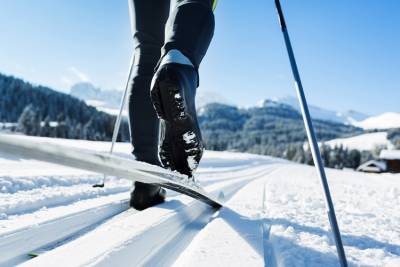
189 29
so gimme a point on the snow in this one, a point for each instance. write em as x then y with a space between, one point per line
204 97
348 117
384 121
299 230
94 103
373 166
112 111
368 141
8 124
274 216
390 154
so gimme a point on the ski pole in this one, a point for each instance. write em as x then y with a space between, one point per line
119 117
122 104
312 139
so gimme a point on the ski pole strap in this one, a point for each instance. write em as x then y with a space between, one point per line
214 4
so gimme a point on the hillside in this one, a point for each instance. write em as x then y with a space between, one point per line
367 141
272 129
46 112
383 121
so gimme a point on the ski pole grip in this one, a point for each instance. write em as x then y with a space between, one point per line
280 15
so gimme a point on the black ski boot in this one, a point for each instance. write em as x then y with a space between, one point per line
173 96
146 195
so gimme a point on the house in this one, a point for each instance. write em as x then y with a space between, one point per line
373 166
392 159
389 161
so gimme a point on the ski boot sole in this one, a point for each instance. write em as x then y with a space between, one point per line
182 148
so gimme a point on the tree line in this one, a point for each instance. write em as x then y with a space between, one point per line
41 111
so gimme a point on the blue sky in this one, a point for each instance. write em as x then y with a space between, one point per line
347 50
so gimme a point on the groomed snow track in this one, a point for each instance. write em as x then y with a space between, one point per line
17 244
101 232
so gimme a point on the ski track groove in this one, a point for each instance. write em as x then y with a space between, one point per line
60 195
48 233
269 254
54 197
180 229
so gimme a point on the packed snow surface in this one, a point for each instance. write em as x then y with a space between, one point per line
368 141
276 217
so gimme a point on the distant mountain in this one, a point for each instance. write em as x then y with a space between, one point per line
104 100
204 97
347 117
109 100
386 120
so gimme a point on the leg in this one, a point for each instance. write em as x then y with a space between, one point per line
148 18
189 31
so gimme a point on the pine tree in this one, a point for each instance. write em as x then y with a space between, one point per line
46 129
29 121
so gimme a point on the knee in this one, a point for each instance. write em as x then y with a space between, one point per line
147 49
145 60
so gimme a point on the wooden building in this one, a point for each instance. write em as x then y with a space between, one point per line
389 161
392 159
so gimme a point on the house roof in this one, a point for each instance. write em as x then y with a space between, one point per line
390 154
372 165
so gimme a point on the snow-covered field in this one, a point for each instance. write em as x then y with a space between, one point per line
274 216
368 141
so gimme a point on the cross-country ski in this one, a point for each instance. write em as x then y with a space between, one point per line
105 164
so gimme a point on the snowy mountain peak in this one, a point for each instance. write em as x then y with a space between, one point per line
347 117
85 90
271 103
104 100
204 97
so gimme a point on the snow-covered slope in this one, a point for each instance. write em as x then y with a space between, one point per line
384 121
368 141
347 117
104 100
275 216
204 97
